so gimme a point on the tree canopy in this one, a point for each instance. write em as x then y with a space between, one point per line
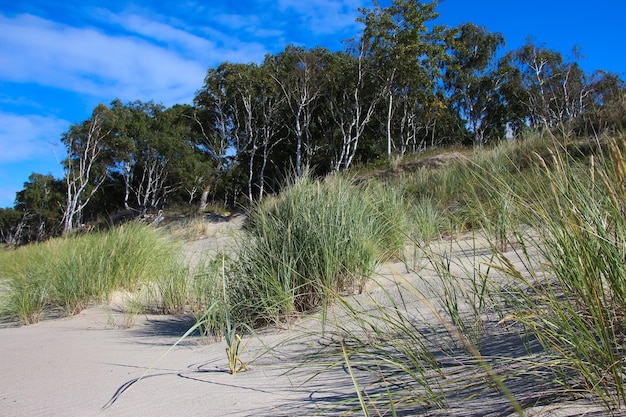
405 84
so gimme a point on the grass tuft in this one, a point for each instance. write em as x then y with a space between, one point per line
315 237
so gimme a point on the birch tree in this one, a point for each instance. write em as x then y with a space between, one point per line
406 52
352 100
213 121
554 91
300 75
152 148
85 167
472 80
261 104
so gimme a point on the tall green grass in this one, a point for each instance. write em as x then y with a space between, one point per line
545 264
315 237
574 301
63 276
189 290
544 269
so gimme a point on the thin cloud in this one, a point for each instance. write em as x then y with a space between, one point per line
26 137
140 57
156 61
30 143
154 31
237 21
87 61
326 16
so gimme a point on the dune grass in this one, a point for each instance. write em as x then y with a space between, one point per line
545 271
549 277
63 276
576 305
315 237
187 289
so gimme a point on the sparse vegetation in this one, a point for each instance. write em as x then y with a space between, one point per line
543 267
551 279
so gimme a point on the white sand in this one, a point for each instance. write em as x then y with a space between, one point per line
85 366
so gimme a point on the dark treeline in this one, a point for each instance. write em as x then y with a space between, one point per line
404 85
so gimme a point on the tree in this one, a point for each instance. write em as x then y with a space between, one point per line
41 204
248 113
269 104
214 124
153 146
11 225
472 80
187 165
552 90
352 98
256 103
605 106
86 167
300 75
406 54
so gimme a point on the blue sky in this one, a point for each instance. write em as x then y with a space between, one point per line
59 59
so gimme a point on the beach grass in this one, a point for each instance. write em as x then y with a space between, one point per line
63 276
544 268
315 237
573 301
541 266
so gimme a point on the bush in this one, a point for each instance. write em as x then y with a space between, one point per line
315 239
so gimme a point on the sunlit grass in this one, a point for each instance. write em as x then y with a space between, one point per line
315 237
574 302
543 266
63 276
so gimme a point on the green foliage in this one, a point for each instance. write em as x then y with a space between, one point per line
316 237
155 152
574 301
550 269
471 78
41 201
404 85
69 274
234 345
9 223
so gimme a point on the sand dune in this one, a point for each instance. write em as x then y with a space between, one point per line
88 366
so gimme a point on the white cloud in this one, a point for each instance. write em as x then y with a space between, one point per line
183 41
29 143
237 21
90 62
153 61
28 137
150 57
326 16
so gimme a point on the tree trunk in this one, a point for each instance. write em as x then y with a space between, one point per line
203 199
389 114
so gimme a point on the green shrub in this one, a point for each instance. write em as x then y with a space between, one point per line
315 237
